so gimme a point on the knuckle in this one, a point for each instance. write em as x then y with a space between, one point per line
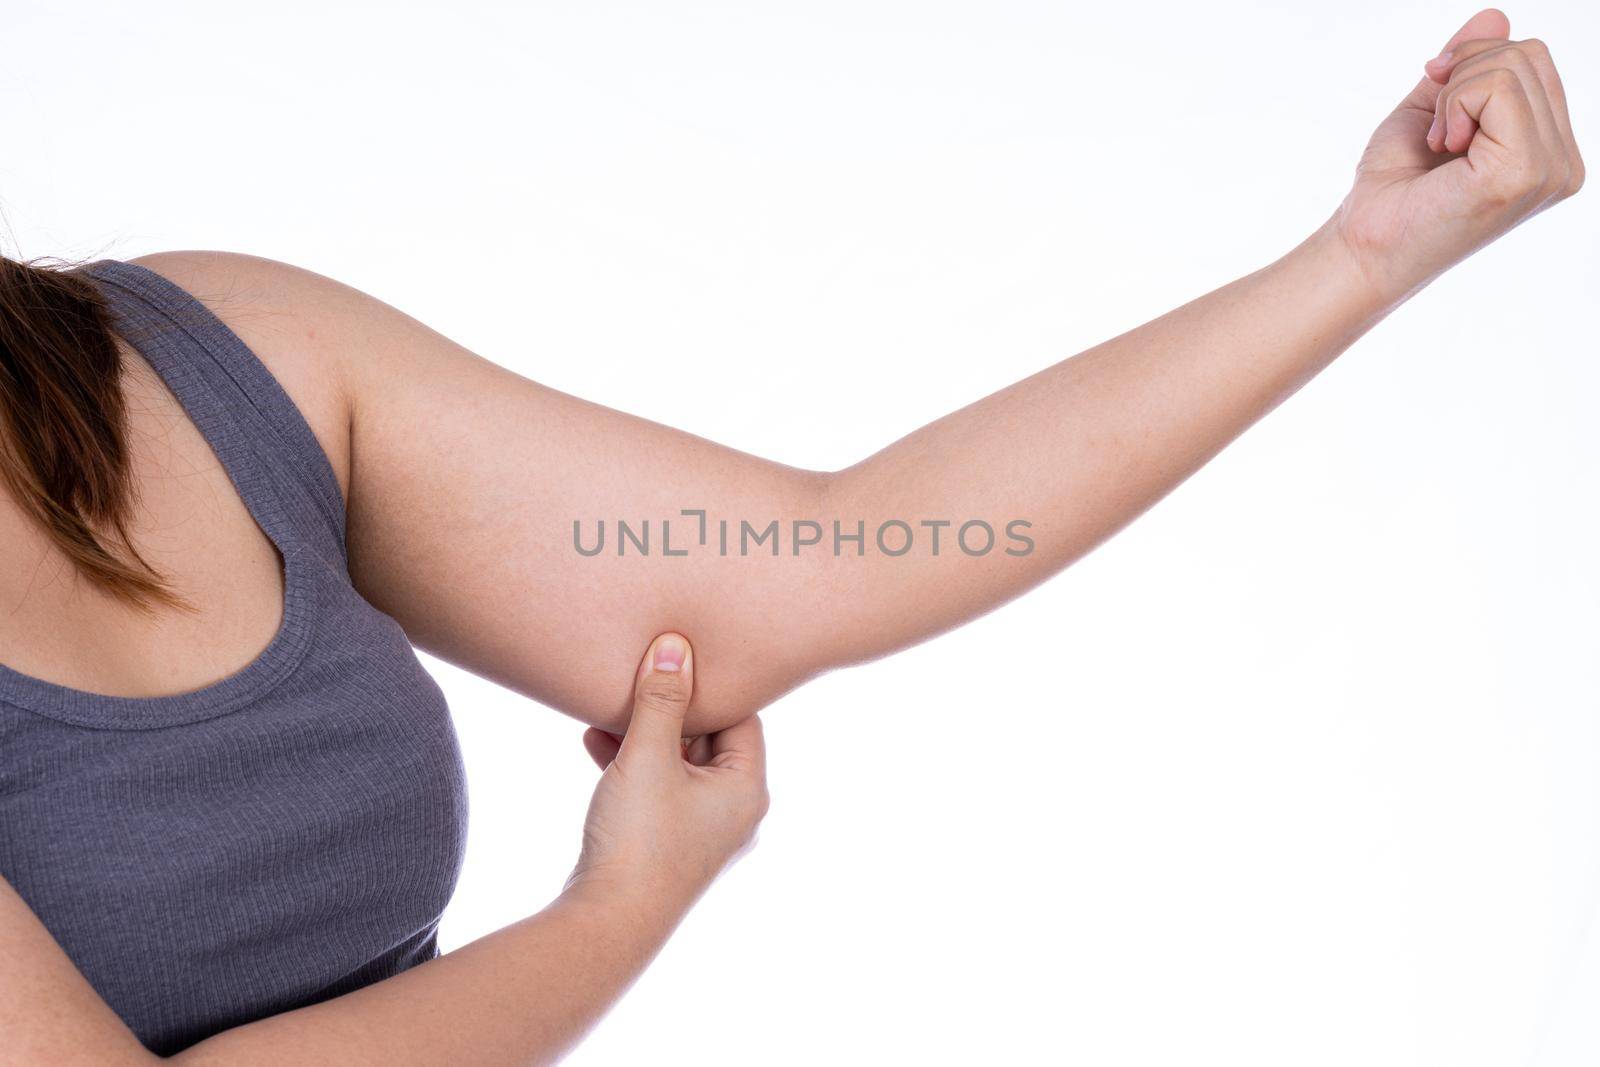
1504 79
1479 47
1515 59
1474 60
1534 48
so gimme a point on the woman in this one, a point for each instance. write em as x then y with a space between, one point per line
225 862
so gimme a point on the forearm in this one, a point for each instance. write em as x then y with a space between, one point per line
1076 451
1083 447
522 995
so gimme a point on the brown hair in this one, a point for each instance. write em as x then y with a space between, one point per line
63 426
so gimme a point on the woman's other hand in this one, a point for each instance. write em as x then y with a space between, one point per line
659 830
1482 143
660 824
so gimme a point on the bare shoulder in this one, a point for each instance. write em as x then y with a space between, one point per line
299 323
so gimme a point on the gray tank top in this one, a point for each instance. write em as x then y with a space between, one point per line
280 837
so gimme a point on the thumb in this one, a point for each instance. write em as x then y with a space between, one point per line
660 700
1488 24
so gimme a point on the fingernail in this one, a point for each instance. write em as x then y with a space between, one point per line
1441 59
669 654
1433 131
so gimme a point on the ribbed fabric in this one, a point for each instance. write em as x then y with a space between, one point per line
285 835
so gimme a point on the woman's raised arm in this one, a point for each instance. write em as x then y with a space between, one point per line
466 480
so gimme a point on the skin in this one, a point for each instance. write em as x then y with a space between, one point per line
450 526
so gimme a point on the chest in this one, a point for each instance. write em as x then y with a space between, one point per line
248 860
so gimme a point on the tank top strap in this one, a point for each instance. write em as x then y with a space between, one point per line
258 434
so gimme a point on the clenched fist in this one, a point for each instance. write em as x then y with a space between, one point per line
1482 143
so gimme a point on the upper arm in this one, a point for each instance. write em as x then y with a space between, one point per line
463 482
49 1014
467 480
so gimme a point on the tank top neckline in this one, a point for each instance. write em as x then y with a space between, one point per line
171 329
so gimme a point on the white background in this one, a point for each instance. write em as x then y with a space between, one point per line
1301 769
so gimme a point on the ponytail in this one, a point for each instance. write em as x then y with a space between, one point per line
63 427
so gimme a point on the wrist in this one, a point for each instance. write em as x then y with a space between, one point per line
627 898
1379 266
1334 289
1364 277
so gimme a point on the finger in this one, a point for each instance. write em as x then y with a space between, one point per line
601 746
660 701
1532 51
741 747
697 750
1495 98
1496 103
1517 59
1532 63
1544 65
1490 23
1447 63
1509 57
1539 53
